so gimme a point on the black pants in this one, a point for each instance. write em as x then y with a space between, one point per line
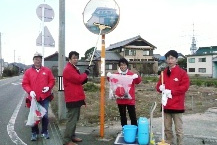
131 111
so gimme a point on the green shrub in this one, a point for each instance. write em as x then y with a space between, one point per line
204 82
208 83
91 87
199 83
7 72
215 84
15 72
148 79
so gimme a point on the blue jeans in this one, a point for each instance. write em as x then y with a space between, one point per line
45 120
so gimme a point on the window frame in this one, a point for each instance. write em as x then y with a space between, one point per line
191 60
199 70
189 69
202 59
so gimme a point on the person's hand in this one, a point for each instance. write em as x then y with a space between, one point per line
87 70
45 89
135 76
109 74
32 94
162 88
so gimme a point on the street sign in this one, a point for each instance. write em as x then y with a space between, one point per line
48 39
48 12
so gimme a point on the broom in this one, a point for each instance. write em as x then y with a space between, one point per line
152 140
162 141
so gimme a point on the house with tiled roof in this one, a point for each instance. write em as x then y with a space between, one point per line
203 62
138 52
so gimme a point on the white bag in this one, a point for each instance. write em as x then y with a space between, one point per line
119 86
36 113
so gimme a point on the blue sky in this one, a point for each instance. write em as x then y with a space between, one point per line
167 24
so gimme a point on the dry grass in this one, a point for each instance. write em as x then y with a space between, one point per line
198 100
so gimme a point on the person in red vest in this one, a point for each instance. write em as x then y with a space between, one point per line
38 82
175 84
126 104
73 82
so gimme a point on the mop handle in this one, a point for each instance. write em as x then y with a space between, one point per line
95 47
162 79
101 27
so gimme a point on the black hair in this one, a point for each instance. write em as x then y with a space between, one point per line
123 60
172 53
73 53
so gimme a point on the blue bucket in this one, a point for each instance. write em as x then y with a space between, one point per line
130 132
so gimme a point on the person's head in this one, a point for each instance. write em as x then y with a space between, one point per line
171 58
37 60
73 57
123 64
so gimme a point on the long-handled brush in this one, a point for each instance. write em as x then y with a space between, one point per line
152 140
162 141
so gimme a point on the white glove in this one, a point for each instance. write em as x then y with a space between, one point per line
135 76
109 74
168 93
32 94
45 89
162 88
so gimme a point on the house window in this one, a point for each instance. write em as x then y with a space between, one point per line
150 59
111 66
136 59
191 69
202 70
191 60
145 52
108 66
202 60
130 52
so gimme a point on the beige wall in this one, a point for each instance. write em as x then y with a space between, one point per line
197 65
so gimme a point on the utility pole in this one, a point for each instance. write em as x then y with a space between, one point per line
14 56
61 58
1 55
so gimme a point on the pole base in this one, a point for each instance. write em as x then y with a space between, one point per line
162 143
